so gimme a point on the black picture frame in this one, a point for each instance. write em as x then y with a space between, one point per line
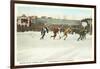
12 34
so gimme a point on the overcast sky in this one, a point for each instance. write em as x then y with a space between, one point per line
53 11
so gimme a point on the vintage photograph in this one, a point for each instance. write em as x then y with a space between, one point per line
50 34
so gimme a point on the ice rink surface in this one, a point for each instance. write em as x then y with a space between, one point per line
31 50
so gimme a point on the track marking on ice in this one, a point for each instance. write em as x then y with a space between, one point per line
31 48
70 52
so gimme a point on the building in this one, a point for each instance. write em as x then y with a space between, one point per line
23 22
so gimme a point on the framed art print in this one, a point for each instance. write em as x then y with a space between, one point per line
50 34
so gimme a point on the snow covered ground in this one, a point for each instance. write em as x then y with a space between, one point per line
31 50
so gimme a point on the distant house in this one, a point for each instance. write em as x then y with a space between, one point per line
33 19
44 17
50 18
23 21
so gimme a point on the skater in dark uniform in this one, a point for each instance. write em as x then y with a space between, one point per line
44 30
82 34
